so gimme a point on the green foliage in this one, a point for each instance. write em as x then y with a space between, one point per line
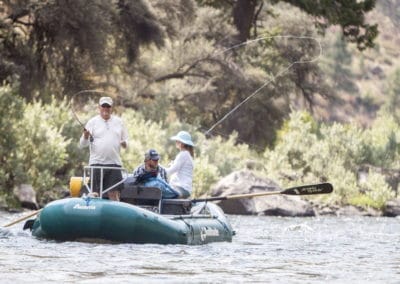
383 141
306 154
205 174
348 14
376 192
59 114
11 112
41 149
64 47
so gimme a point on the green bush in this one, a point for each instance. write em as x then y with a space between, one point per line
383 141
11 113
310 153
41 149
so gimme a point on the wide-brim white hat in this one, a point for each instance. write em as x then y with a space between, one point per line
183 137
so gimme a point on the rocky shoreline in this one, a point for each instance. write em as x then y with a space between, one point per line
246 182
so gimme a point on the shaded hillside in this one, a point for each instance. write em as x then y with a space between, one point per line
370 72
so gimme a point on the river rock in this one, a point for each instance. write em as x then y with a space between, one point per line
351 210
245 182
392 208
26 195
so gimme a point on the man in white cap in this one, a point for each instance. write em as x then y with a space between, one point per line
105 134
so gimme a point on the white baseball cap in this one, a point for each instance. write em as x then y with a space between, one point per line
106 100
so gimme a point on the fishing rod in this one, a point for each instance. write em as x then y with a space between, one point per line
91 139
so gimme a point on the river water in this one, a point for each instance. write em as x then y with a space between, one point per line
264 250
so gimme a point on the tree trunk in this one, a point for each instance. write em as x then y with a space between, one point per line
243 14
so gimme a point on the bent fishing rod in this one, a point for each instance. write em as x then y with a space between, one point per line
74 113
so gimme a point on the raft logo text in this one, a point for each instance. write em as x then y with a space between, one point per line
208 232
83 207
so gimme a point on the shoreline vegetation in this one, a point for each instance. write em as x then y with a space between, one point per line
185 65
41 150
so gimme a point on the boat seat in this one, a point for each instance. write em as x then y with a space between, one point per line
142 196
176 206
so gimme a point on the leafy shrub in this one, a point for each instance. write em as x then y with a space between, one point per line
383 141
41 149
309 153
11 112
376 192
205 174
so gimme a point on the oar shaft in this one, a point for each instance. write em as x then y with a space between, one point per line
320 188
246 195
238 196
22 219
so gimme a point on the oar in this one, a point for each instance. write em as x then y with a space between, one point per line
23 218
320 188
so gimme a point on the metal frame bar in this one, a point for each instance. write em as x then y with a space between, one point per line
102 168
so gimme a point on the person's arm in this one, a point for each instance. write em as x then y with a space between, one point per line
124 136
84 140
176 164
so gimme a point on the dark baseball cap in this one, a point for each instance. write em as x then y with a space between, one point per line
151 155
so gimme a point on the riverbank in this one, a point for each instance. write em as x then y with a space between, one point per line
245 182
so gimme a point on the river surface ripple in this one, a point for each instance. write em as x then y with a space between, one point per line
264 250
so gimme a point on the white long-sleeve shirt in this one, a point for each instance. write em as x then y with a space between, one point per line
181 171
107 138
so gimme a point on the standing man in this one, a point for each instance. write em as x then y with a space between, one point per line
105 134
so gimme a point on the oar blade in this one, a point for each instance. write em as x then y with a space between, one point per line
320 188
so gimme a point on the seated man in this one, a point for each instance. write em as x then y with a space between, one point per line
150 173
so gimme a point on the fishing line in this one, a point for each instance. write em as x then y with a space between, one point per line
280 73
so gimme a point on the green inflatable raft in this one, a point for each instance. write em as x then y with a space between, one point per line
141 217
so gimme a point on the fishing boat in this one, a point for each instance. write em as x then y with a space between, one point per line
142 216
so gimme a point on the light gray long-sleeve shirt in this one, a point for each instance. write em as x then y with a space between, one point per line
107 138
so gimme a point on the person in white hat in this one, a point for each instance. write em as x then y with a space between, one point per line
105 134
181 169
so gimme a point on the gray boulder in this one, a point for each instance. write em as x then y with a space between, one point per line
392 208
26 195
350 210
245 182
